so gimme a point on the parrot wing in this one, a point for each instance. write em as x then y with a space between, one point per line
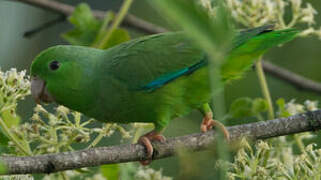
150 62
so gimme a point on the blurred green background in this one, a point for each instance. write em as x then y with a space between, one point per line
301 56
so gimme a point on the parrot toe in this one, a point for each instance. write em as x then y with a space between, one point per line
146 141
208 123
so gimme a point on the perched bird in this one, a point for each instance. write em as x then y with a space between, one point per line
150 79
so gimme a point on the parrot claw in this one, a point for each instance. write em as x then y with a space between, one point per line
146 141
208 123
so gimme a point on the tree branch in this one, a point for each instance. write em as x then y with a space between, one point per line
296 80
65 9
49 163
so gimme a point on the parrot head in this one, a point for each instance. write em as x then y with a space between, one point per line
59 73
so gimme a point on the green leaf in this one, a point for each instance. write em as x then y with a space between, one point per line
3 168
282 112
3 139
86 26
118 36
110 171
3 143
241 107
128 170
10 118
259 105
246 107
88 31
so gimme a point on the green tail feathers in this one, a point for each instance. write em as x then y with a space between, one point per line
274 38
244 56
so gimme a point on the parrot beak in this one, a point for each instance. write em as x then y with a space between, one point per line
39 91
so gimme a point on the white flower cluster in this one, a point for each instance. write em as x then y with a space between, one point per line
271 162
145 173
254 13
295 108
56 132
275 159
50 133
208 5
14 86
17 177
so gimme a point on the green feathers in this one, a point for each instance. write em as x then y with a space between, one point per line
149 79
249 46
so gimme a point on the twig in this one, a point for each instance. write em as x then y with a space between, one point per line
264 87
49 163
117 21
292 78
67 10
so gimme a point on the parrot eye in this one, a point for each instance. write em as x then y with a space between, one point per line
54 65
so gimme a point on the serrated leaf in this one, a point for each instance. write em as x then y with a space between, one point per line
259 105
110 171
86 26
241 107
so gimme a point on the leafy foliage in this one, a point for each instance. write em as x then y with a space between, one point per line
2 168
88 31
110 172
86 26
247 107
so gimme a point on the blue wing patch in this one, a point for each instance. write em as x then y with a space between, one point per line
161 81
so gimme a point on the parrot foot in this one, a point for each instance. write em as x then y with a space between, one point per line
146 141
208 123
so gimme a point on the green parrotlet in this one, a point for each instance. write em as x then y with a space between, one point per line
150 79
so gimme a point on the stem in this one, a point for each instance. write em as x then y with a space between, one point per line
119 18
138 133
100 136
25 149
299 143
63 176
217 88
264 87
